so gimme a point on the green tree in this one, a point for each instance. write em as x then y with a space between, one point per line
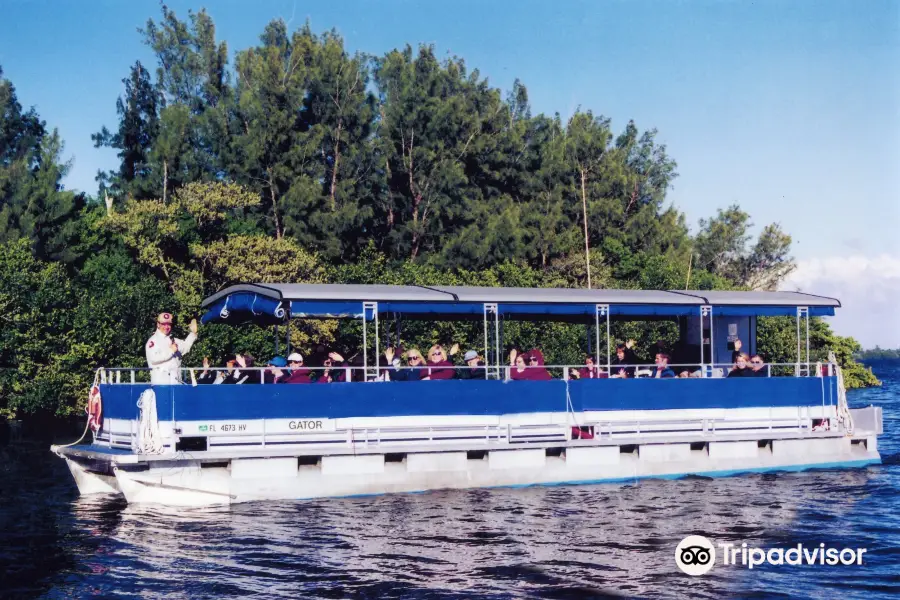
138 127
776 339
36 373
195 92
304 118
432 116
721 249
33 204
587 138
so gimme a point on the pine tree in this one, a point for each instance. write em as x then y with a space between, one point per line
135 138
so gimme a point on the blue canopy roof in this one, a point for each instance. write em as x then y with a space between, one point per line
273 303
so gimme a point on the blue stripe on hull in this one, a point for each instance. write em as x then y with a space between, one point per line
455 397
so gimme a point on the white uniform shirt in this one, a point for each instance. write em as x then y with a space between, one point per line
164 366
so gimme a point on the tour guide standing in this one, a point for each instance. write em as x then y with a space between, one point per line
164 352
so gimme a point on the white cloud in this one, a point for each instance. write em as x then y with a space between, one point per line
869 291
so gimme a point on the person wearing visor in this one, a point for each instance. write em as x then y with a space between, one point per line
164 352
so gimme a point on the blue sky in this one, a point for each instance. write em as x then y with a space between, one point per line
789 108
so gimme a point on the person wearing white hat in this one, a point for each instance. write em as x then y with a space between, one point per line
164 352
299 373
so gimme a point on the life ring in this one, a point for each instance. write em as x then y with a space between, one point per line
95 409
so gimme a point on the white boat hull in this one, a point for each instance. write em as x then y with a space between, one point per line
89 482
280 478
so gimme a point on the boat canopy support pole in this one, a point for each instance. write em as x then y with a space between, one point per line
370 308
802 313
807 342
491 326
602 310
277 344
706 312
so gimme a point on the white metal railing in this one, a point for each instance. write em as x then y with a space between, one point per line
642 430
266 375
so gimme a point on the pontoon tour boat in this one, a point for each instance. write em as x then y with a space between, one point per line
189 444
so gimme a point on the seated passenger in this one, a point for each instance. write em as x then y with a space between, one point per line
536 370
589 371
438 367
228 375
298 373
235 376
335 369
275 373
207 377
662 370
517 362
624 356
760 368
476 366
741 367
738 344
414 370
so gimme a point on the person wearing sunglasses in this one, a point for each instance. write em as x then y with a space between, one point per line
412 372
296 372
758 366
536 366
438 367
528 366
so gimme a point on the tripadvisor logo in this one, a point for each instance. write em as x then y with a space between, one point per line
695 555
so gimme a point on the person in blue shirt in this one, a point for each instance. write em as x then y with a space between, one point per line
662 370
413 371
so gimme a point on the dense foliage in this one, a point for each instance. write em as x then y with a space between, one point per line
877 353
304 162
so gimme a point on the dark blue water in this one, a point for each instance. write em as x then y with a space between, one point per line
553 542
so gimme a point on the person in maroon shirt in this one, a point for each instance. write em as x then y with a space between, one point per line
589 371
528 366
335 370
536 370
438 367
298 374
518 365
